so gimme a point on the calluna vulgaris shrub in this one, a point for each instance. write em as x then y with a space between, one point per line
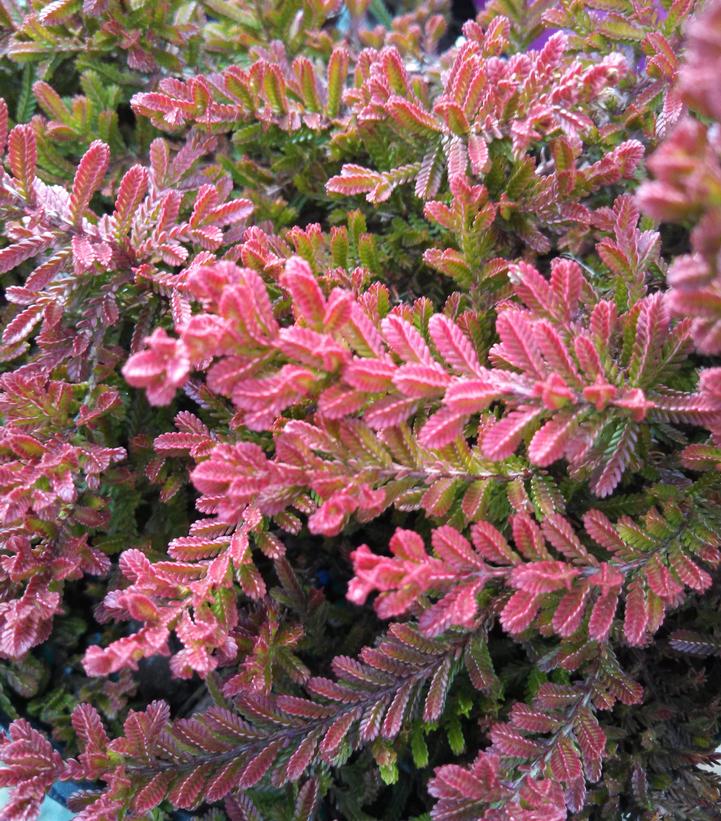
361 415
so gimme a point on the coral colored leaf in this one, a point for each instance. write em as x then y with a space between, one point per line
22 158
542 577
300 760
258 766
570 611
502 439
636 613
491 544
453 345
602 616
549 443
565 762
90 173
441 429
131 192
511 743
520 611
335 735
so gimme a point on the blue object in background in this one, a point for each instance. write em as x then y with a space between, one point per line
50 810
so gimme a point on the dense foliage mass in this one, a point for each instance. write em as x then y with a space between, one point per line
361 422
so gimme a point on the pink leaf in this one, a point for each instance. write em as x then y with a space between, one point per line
88 177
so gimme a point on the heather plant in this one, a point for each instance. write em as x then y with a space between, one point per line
361 426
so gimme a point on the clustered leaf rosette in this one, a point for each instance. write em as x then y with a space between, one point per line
485 120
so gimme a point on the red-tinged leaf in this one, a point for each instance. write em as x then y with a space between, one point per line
559 532
660 580
370 374
439 212
444 427
458 607
12 255
527 536
532 721
418 381
543 577
575 795
651 334
131 192
565 761
429 177
153 792
569 613
389 412
517 346
353 179
229 213
479 665
225 781
455 549
689 572
299 762
457 783
636 614
259 766
437 691
454 117
491 544
405 340
510 743
372 721
336 733
306 804
89 727
393 720
449 262
600 528
308 300
457 159
519 612
607 578
501 440
453 345
478 154
602 615
186 792
337 402
625 689
591 738
556 696
656 612
549 443
474 499
470 396
90 173
535 292
22 325
23 158
554 351
587 357
411 117
249 578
